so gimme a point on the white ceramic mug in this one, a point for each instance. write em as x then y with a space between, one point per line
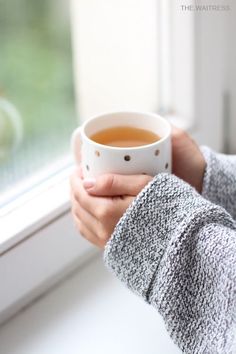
97 159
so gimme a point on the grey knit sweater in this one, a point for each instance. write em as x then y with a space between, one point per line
177 249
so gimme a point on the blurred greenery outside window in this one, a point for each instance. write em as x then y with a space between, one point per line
37 110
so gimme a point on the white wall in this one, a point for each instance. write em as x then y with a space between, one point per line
116 55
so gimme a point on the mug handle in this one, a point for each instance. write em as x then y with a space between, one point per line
76 143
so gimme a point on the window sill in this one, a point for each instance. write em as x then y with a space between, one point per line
34 210
90 312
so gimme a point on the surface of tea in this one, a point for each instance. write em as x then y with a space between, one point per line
125 136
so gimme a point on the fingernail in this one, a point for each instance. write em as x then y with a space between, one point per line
89 183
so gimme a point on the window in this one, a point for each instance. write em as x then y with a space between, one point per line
37 113
126 56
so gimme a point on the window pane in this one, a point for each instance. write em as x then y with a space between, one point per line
36 78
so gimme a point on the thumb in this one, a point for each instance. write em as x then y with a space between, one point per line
114 185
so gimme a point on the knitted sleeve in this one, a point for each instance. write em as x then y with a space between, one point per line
178 251
219 185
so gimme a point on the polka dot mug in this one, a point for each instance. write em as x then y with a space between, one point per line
97 159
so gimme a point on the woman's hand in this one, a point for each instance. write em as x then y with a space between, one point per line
188 161
98 205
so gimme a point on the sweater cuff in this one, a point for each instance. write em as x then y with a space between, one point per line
159 214
209 172
219 182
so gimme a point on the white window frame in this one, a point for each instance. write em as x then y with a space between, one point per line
209 104
38 244
176 59
230 94
211 71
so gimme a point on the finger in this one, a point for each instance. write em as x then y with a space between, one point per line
175 129
104 227
78 172
114 184
88 220
181 142
124 203
177 134
104 209
88 202
87 234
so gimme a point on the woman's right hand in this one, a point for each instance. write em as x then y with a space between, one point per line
188 161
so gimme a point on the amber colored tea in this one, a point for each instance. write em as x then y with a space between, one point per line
125 136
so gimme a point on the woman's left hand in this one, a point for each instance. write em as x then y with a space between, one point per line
98 205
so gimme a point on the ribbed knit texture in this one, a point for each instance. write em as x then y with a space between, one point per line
220 180
177 250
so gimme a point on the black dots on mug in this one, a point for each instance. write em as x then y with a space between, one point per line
97 153
157 152
87 167
127 158
166 165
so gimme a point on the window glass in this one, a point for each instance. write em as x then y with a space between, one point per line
37 113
